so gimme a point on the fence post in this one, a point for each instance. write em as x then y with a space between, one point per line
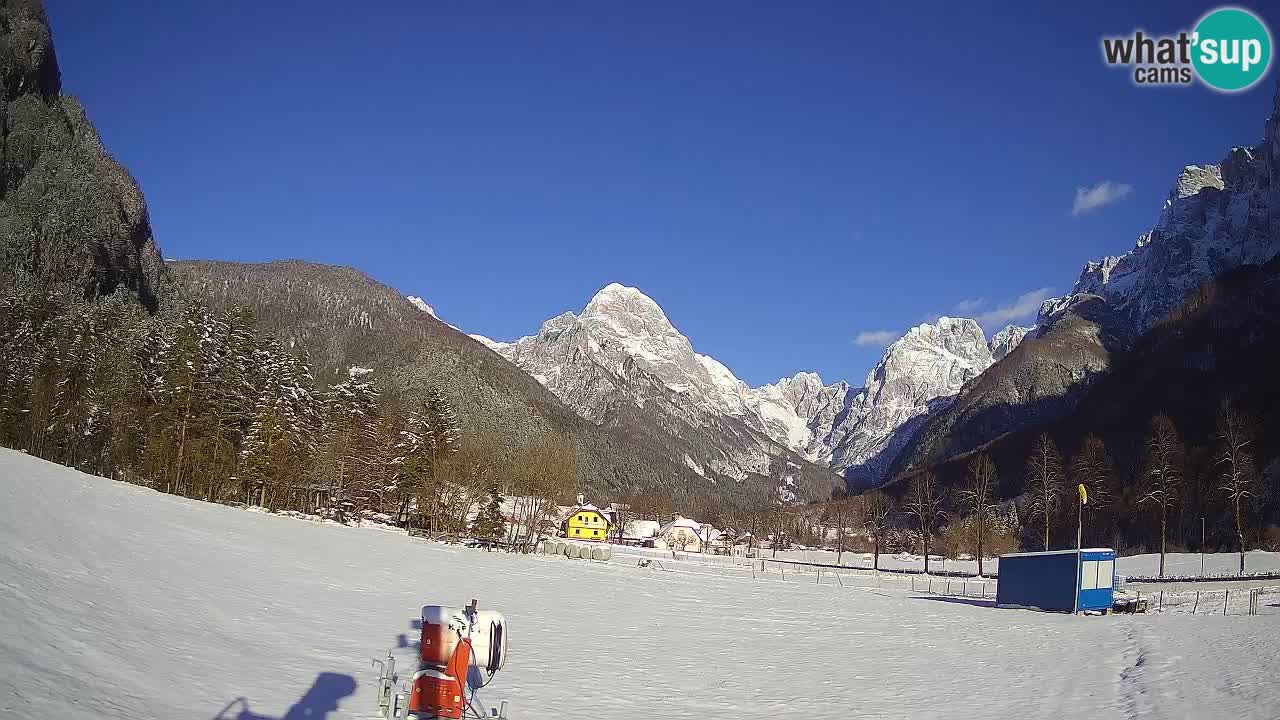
1193 607
818 580
1226 600
1160 602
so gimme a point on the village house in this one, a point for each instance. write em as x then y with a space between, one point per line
586 522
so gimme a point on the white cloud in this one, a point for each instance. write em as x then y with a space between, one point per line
875 338
1106 192
1019 311
967 307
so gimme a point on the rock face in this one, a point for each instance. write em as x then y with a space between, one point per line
622 352
1217 218
622 355
919 374
1004 341
71 218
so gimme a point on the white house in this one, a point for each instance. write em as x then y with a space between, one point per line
682 533
640 530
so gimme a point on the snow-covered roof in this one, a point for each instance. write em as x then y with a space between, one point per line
641 528
680 522
588 507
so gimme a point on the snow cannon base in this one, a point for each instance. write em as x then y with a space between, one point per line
439 695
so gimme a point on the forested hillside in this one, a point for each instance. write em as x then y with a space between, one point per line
1182 427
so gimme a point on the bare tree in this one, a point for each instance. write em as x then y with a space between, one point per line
876 508
677 541
978 498
924 502
1044 479
544 476
844 513
1162 474
1092 467
1239 479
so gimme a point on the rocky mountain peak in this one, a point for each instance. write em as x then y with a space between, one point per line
1004 341
1217 217
634 319
563 321
1195 178
28 64
961 337
58 183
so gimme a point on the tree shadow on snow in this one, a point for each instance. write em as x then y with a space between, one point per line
322 698
976 602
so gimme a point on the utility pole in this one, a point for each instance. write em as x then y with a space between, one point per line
1084 498
1201 546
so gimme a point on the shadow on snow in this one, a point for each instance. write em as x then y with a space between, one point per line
322 698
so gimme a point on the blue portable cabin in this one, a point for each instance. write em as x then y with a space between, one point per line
1058 580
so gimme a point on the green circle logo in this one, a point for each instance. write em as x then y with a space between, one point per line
1231 49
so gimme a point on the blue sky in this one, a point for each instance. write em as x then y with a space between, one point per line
783 178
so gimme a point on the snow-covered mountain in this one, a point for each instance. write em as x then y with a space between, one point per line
920 372
1217 217
623 351
1004 341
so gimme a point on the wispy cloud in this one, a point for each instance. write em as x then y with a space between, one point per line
1019 311
1104 193
875 338
968 307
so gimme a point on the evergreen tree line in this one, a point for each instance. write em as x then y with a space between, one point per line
206 406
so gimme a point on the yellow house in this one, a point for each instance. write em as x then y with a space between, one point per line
586 522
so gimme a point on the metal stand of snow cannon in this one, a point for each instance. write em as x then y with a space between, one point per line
461 650
393 698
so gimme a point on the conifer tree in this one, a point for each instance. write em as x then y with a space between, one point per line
489 523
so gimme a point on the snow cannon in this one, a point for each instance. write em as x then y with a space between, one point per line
460 652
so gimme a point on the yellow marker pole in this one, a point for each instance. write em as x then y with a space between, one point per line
1084 500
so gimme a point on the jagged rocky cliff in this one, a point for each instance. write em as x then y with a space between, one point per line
1216 218
71 218
623 353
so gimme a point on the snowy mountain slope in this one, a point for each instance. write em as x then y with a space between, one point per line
622 355
1216 218
104 616
920 372
623 351
1004 341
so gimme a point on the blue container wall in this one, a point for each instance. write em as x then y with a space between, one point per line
1047 582
1097 580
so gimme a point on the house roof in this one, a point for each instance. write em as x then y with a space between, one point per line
641 528
587 508
680 522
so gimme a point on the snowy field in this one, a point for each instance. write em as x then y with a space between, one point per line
119 602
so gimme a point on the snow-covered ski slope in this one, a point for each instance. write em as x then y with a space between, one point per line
120 602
